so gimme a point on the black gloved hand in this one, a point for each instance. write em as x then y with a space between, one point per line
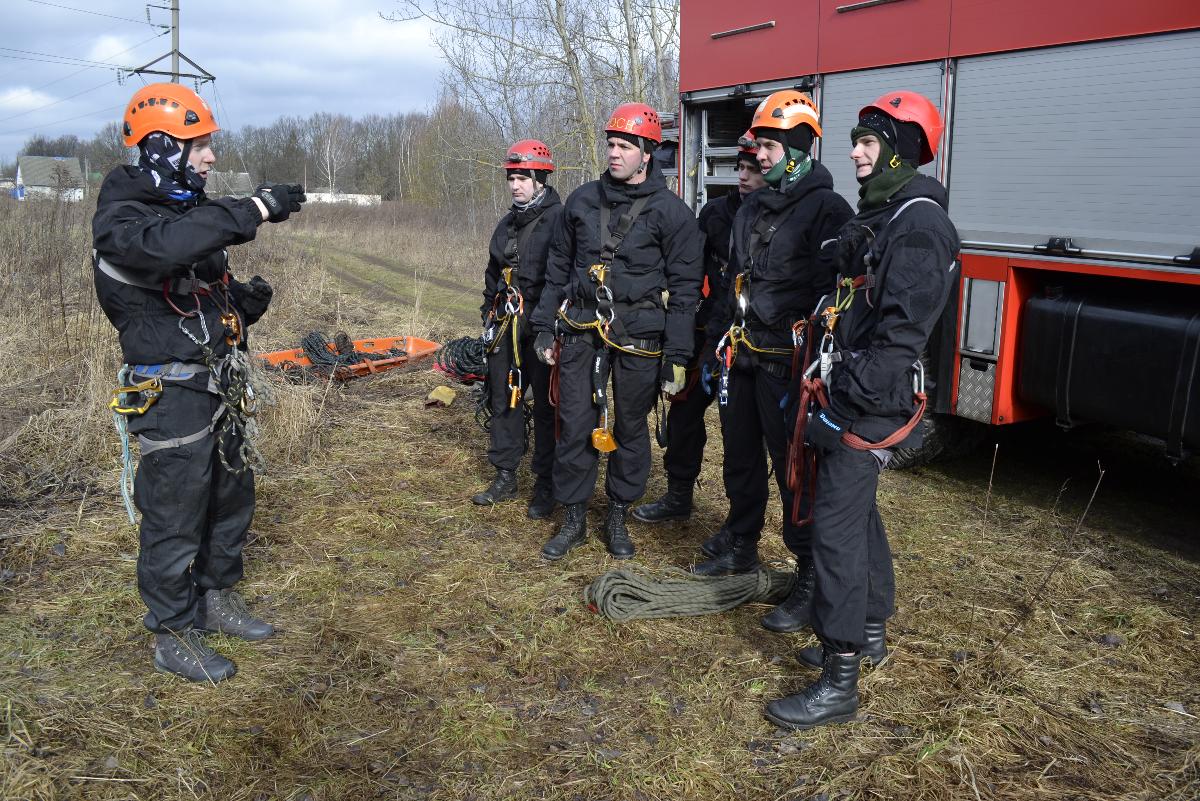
824 431
281 200
253 297
543 342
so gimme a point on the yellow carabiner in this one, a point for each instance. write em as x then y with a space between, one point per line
150 391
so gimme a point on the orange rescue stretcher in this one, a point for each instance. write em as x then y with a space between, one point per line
415 349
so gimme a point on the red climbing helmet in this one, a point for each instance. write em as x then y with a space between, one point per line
637 119
905 106
529 154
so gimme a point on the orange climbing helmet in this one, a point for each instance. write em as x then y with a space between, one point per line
784 110
747 144
529 154
636 119
170 108
905 106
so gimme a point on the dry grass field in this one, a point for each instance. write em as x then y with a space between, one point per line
426 652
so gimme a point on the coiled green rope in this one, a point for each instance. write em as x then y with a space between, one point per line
628 594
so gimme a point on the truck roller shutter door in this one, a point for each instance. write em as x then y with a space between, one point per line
843 94
1096 142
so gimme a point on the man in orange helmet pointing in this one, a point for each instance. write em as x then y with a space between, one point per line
625 239
162 278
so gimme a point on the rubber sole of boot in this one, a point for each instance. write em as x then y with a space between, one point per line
787 724
634 513
483 499
556 557
201 680
789 627
207 630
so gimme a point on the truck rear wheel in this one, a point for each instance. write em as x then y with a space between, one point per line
944 436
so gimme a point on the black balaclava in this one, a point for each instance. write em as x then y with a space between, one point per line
899 152
165 160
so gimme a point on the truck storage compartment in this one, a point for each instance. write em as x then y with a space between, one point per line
1092 354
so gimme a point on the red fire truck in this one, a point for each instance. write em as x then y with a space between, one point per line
1072 158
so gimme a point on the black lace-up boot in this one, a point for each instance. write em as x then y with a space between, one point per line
542 505
502 488
833 698
741 557
675 504
796 610
185 654
874 648
225 611
616 535
572 533
718 543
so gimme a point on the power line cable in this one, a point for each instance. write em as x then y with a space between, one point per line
73 60
98 65
99 14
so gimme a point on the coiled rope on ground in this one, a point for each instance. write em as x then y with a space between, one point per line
629 594
463 359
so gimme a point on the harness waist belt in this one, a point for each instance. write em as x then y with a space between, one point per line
176 286
591 304
639 343
170 371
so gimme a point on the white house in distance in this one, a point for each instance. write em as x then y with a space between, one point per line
49 176
323 195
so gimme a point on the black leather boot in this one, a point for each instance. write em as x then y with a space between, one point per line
796 610
742 557
675 504
833 698
718 543
185 653
225 611
874 648
502 488
616 535
542 505
572 533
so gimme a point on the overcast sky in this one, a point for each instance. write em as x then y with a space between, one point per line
271 57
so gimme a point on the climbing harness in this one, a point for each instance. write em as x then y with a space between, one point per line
630 594
738 335
507 315
607 325
817 368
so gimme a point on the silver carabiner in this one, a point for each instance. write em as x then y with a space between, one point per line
918 377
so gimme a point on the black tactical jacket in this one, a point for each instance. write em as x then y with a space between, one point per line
716 223
154 239
914 256
661 252
789 274
533 247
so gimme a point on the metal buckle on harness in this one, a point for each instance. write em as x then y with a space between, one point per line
150 391
598 273
918 377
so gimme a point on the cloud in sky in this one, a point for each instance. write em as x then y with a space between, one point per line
270 59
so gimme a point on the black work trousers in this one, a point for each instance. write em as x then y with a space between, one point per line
507 444
854 577
195 513
635 382
751 418
686 434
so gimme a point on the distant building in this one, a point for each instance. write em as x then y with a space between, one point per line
49 176
323 195
228 184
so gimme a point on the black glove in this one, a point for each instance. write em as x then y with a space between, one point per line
543 342
280 199
253 297
824 431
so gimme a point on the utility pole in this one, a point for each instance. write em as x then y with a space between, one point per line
175 41
200 76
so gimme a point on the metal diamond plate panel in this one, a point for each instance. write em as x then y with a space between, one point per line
976 389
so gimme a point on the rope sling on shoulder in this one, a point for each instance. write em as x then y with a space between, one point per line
738 335
608 326
630 594
814 382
